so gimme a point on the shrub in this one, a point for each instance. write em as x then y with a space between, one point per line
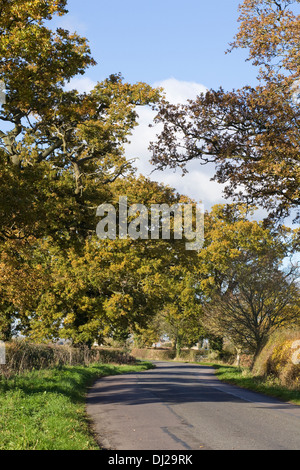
165 354
154 354
24 356
276 359
193 355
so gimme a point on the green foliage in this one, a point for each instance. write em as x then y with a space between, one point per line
45 410
245 292
58 162
104 288
63 156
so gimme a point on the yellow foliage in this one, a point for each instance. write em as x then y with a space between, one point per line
277 360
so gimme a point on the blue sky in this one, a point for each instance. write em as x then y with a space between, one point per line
154 40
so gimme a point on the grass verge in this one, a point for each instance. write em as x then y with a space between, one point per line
45 409
242 377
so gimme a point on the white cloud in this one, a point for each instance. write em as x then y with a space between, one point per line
83 85
177 91
197 182
72 23
197 185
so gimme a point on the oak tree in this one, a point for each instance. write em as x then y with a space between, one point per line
251 135
246 292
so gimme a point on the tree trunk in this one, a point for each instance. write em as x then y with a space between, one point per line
238 357
259 347
178 346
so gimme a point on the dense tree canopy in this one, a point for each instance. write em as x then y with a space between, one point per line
62 156
60 153
246 293
58 143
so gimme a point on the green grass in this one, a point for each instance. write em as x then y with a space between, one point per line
45 410
242 377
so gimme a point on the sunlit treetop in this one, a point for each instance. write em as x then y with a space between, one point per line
270 30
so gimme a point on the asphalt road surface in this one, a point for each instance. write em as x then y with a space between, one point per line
185 407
